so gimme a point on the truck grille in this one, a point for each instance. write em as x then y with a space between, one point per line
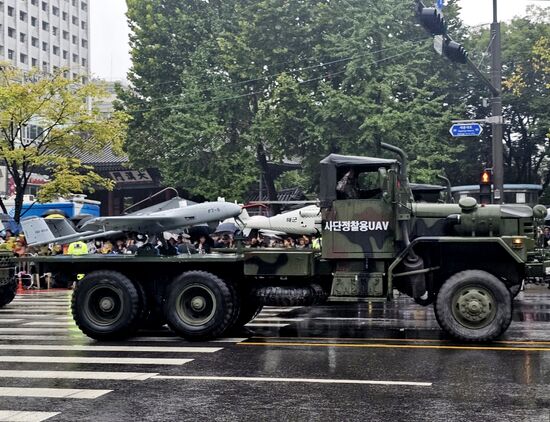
528 229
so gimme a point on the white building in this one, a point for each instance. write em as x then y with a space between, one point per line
46 34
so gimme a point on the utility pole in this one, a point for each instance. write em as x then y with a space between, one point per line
496 109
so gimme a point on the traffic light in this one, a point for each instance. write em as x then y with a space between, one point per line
455 51
486 187
432 20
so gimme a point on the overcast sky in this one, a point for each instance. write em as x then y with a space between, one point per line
109 31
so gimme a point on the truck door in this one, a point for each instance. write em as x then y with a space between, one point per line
364 226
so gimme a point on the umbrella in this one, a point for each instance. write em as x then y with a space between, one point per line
227 228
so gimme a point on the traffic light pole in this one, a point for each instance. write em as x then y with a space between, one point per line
496 110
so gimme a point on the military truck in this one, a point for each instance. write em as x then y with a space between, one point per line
465 259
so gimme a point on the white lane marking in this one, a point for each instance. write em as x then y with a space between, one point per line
50 323
265 324
33 311
304 380
36 330
99 360
64 393
83 375
9 321
179 339
101 348
271 319
275 309
34 338
24 416
41 301
33 316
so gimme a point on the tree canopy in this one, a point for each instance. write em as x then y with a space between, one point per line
45 122
220 89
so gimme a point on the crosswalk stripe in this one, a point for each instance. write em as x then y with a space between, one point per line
36 330
20 305
84 375
9 321
98 360
31 309
38 316
101 348
8 310
40 302
265 324
50 323
278 309
65 393
179 339
25 416
270 319
24 337
30 316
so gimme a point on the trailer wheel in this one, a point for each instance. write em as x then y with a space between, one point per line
106 305
7 292
199 306
474 305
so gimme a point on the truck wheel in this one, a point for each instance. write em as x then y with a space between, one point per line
106 305
7 292
199 306
474 305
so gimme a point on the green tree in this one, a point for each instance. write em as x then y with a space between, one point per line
525 99
219 90
63 121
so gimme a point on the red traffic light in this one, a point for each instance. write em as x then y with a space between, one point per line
486 177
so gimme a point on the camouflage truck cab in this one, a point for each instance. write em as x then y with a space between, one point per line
464 258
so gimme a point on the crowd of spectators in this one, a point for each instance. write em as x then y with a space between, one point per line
172 244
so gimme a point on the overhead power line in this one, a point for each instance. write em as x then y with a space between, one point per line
287 71
249 94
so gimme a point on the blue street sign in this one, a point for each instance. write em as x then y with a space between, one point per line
439 5
466 129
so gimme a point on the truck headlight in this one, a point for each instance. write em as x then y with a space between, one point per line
517 243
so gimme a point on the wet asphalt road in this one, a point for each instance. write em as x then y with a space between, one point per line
352 362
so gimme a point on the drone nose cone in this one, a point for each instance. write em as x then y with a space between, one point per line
233 209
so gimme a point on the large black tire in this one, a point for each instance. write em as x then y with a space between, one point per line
106 305
474 305
7 292
200 306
